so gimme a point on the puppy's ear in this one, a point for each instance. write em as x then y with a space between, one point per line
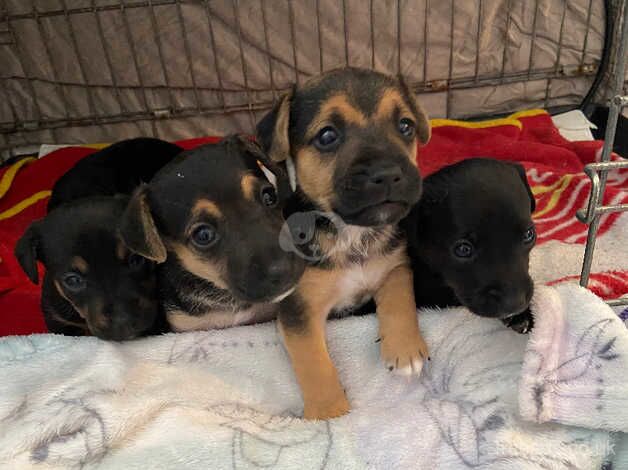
524 179
272 130
260 159
28 251
424 131
138 230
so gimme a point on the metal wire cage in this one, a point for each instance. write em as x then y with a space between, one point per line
76 71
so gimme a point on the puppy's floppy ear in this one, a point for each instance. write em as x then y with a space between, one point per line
424 131
524 179
272 130
28 251
138 230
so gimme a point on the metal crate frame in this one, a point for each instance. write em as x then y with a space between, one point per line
597 172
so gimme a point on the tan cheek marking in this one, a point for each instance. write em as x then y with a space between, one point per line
207 270
316 177
67 322
248 185
82 312
80 264
121 251
409 149
207 207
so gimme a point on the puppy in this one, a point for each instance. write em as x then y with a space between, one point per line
348 140
470 238
211 219
117 169
93 283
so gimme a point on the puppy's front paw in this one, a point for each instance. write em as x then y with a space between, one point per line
521 323
326 407
404 353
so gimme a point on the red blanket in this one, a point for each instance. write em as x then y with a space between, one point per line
554 167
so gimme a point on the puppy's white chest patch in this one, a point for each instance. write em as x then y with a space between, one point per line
358 283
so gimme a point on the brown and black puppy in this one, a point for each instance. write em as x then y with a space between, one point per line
212 219
93 284
349 141
470 238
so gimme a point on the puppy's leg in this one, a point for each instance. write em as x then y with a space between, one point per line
302 324
402 346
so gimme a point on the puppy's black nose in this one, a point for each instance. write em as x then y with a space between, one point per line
385 176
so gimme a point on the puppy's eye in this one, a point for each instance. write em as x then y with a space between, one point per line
73 282
463 249
326 139
135 261
407 128
204 236
268 196
529 235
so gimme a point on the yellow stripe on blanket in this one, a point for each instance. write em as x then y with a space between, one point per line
556 189
512 120
24 204
9 175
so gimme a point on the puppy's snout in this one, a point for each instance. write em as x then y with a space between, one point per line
369 176
278 270
267 277
502 300
389 176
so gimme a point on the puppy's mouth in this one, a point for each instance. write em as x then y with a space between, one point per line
386 212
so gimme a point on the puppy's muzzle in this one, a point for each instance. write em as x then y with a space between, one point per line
501 300
378 192
267 279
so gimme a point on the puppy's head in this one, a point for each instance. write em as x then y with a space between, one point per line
217 211
475 228
349 138
111 288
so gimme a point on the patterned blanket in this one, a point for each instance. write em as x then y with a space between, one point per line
227 399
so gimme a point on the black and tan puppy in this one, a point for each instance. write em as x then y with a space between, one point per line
212 218
93 284
349 141
470 238
116 169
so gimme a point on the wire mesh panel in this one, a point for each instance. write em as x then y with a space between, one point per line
101 70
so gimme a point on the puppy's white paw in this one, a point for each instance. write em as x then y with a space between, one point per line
404 355
413 367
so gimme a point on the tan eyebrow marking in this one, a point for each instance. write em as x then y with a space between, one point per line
336 104
206 206
391 99
80 264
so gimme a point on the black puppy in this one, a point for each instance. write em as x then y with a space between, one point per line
212 218
117 169
93 284
470 238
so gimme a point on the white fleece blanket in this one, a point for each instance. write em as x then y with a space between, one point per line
228 399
